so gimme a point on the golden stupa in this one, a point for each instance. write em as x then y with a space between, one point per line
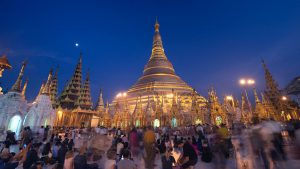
159 97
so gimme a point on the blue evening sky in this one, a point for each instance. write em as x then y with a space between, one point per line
210 43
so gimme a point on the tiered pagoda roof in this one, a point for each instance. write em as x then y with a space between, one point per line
85 101
272 91
71 92
53 89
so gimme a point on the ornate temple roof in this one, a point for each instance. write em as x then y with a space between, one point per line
84 100
71 91
159 75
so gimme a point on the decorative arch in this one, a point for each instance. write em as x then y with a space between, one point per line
15 123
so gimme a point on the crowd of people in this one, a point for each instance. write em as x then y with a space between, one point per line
259 145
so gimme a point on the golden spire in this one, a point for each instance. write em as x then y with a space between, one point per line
256 96
17 86
100 103
157 46
159 73
46 90
156 26
24 88
41 89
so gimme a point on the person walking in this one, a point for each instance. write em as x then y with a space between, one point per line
149 141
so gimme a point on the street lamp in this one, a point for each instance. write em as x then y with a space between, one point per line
284 98
242 82
245 82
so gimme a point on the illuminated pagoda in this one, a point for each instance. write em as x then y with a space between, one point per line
259 110
74 105
282 109
41 112
216 111
159 97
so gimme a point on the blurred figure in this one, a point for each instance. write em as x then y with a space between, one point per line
31 157
80 160
126 161
149 141
133 141
189 157
167 160
111 158
69 160
221 148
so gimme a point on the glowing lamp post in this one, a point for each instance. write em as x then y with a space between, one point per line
284 98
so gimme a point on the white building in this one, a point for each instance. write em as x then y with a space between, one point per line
16 112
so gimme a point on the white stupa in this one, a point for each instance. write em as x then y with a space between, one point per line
13 107
41 112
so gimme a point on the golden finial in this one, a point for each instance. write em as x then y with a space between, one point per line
156 26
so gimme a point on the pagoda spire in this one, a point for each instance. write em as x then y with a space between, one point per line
71 92
259 108
53 88
245 109
85 100
217 114
41 89
46 90
157 46
256 96
24 88
156 25
272 90
159 73
17 86
100 103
